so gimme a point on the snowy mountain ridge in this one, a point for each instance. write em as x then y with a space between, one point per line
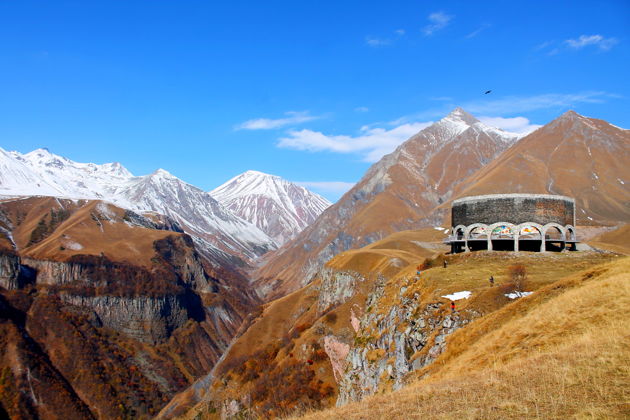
41 172
458 121
278 207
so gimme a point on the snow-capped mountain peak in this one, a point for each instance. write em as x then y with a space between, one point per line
278 207
162 173
458 121
459 115
42 172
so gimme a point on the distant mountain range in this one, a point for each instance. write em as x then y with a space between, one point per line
220 233
459 156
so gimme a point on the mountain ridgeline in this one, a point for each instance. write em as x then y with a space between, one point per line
459 156
230 242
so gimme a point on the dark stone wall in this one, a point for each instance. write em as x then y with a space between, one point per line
513 210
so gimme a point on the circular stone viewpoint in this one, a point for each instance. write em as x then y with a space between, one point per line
513 222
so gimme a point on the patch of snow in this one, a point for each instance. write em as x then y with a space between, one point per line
589 217
621 182
75 246
595 175
104 209
517 295
621 128
458 295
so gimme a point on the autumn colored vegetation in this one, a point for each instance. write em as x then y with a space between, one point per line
278 388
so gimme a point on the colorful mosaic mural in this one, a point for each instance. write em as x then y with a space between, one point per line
478 231
502 230
529 230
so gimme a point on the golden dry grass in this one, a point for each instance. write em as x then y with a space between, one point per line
616 240
562 352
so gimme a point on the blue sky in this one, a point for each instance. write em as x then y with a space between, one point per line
313 91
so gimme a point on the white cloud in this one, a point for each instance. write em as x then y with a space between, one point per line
602 43
382 42
362 109
518 104
371 143
543 45
478 30
332 187
439 20
292 117
376 42
520 125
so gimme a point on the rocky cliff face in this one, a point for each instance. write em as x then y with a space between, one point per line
336 287
9 271
389 345
13 274
147 319
397 334
106 309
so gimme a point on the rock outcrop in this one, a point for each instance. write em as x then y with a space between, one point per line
336 287
13 274
147 319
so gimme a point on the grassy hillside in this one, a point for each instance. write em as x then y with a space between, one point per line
615 240
561 352
291 332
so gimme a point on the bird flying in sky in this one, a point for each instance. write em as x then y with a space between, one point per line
487 91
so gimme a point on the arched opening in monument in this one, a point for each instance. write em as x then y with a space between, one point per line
529 238
478 239
459 234
502 237
554 239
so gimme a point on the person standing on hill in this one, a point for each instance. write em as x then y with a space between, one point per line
491 279
452 305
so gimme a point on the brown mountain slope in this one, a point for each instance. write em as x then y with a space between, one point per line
397 193
114 313
290 331
580 157
615 240
57 229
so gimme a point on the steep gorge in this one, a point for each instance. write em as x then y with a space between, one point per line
117 333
